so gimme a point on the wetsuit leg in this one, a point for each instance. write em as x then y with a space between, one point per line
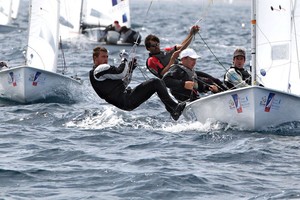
145 90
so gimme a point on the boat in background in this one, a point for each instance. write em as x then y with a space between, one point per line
9 10
275 64
38 80
98 18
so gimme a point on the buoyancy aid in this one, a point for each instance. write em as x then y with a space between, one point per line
246 76
179 74
163 57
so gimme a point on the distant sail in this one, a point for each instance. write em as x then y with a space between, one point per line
43 35
105 12
69 20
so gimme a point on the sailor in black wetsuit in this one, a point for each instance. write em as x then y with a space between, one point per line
110 83
184 82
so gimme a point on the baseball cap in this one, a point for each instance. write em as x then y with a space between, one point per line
239 52
189 53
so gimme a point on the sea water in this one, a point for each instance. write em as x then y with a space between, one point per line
88 149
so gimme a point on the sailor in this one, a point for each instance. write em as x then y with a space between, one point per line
110 83
130 36
237 76
160 60
183 81
3 65
113 27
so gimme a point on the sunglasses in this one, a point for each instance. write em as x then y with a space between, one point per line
154 45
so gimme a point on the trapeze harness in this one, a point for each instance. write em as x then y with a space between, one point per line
243 73
162 57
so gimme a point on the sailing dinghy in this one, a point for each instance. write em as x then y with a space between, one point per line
38 79
97 17
275 64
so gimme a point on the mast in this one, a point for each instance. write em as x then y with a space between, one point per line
253 42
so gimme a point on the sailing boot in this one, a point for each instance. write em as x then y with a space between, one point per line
178 111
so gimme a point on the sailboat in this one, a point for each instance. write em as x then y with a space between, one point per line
275 64
8 13
97 17
38 79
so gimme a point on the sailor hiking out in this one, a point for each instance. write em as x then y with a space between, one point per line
110 83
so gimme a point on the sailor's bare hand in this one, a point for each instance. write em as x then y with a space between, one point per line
189 85
175 55
195 29
213 88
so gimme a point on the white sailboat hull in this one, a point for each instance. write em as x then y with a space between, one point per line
27 84
250 108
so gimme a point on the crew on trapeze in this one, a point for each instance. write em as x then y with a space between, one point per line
111 84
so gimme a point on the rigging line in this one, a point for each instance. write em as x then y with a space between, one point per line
212 52
194 90
149 7
215 57
63 56
132 55
205 13
207 84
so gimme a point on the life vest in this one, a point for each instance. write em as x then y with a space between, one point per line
163 57
246 76
182 74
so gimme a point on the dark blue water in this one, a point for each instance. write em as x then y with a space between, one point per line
89 149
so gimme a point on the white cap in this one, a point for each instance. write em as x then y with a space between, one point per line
189 53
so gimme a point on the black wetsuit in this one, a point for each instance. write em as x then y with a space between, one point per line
108 84
176 77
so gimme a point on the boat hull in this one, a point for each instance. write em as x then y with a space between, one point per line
251 108
27 84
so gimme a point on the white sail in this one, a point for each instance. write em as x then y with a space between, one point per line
105 12
8 10
70 16
274 46
15 9
43 35
5 11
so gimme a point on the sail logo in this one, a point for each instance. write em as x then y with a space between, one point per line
12 79
269 102
36 78
115 2
237 103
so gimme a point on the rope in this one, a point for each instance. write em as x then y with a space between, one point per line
205 13
63 56
149 8
132 55
212 51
